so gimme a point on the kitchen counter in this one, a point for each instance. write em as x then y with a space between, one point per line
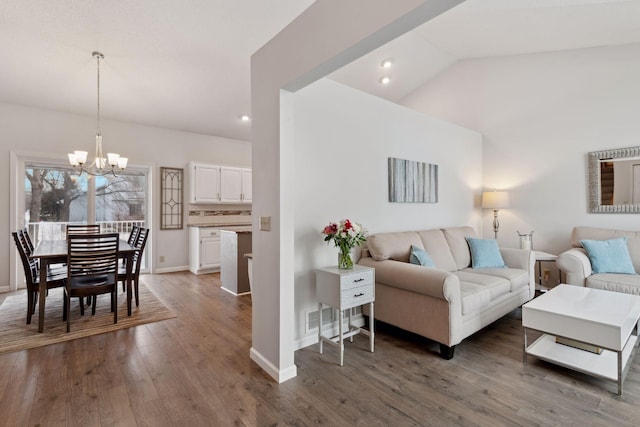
234 273
237 228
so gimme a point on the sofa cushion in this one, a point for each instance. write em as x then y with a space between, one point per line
458 245
517 278
497 286
395 246
609 256
474 297
436 246
420 257
627 283
485 253
593 233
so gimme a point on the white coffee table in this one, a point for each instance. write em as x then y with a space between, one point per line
601 318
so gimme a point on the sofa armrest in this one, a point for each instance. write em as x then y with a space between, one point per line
416 278
576 266
523 259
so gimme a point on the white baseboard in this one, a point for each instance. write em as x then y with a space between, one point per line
5 288
279 375
311 339
233 293
171 269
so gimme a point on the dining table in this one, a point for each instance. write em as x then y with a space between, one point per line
55 251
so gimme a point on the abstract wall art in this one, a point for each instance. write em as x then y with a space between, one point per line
412 182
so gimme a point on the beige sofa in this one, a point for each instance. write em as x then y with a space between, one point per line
452 301
576 266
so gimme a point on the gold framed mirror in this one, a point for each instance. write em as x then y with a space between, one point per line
614 180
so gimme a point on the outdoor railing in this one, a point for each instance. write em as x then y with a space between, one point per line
57 230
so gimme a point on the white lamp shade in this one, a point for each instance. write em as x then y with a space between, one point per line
122 162
81 156
495 200
113 159
72 159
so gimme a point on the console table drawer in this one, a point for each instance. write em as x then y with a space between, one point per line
357 296
356 279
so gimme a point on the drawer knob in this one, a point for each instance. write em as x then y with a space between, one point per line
358 280
358 295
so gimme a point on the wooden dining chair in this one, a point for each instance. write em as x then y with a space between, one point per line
137 262
83 229
31 268
92 269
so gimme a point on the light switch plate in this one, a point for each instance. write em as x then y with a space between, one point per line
265 223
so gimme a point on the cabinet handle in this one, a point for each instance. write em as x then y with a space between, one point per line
358 295
358 280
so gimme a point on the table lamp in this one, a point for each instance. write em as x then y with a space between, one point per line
495 200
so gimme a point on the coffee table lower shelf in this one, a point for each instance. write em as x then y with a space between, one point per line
610 365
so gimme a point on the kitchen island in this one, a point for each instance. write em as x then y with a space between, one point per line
234 243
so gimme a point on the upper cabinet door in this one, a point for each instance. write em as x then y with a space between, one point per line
247 192
205 183
230 184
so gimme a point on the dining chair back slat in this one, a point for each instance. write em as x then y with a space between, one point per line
133 236
83 229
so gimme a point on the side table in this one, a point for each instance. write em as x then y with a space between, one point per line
540 258
343 290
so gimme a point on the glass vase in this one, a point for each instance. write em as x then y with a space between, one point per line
344 260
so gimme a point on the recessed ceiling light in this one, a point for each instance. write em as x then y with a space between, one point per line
387 63
385 80
245 118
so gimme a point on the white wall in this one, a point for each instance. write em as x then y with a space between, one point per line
54 133
343 138
540 115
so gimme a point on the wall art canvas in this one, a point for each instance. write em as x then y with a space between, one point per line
412 182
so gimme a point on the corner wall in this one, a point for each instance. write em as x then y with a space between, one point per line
540 115
343 138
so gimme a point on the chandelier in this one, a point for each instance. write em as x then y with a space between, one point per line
101 165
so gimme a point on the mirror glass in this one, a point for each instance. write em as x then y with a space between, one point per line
614 181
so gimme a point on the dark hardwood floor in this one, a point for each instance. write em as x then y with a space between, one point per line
195 371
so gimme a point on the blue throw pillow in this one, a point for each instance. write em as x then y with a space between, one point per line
485 253
420 257
609 256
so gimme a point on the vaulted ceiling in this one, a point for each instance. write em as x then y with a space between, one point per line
185 65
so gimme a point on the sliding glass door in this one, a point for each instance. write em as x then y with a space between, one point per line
55 196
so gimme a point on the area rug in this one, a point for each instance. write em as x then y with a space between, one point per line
16 335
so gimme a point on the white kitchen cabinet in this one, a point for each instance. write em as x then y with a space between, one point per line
230 184
204 183
210 183
204 249
235 185
247 189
